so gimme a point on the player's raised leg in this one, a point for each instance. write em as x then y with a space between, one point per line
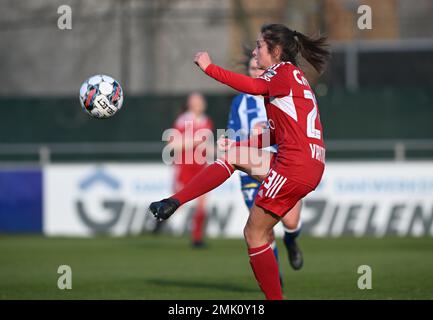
253 161
262 259
206 180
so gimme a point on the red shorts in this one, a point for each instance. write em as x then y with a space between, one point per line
278 194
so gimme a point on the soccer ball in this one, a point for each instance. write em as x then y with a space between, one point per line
101 96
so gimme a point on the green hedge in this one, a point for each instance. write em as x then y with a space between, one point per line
359 115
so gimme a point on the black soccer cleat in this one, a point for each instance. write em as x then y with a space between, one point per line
162 210
295 256
198 245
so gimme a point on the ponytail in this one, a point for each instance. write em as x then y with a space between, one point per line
292 43
315 51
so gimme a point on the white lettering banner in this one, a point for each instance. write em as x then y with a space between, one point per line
354 198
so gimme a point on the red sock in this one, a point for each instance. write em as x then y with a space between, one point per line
197 225
206 180
265 268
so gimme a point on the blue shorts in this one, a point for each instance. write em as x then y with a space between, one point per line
249 187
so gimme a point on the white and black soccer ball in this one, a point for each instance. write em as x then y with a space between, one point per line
101 96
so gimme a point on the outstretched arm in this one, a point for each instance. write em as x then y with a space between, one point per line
240 82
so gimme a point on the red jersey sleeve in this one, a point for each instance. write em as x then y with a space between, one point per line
238 81
273 82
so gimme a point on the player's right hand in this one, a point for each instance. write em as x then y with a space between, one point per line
202 59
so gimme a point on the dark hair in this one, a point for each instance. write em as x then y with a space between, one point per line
248 55
291 42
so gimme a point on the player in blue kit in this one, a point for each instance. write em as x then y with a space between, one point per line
248 116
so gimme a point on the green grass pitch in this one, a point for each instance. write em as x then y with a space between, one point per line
165 267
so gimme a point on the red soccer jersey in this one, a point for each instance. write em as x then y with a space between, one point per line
293 117
188 119
187 165
294 122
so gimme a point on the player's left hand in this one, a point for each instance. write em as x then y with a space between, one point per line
202 59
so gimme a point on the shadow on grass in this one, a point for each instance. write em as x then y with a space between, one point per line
223 286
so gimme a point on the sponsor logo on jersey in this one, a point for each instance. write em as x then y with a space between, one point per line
271 124
268 74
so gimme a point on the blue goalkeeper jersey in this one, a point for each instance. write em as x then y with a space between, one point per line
246 111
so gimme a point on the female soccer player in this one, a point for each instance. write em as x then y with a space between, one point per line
248 116
191 121
295 127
